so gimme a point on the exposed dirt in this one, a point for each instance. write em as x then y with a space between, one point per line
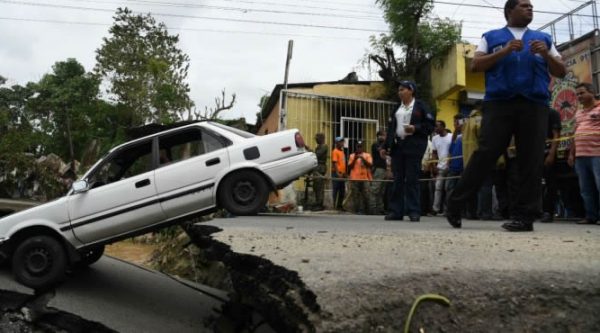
276 293
133 252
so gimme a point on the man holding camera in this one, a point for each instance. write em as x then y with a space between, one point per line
359 165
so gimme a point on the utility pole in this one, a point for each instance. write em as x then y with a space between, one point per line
283 95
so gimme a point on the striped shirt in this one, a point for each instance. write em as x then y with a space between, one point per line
587 132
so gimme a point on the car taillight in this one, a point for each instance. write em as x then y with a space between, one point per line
299 140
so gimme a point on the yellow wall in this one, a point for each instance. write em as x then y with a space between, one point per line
452 77
375 90
447 108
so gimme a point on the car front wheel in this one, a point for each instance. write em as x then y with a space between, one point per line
244 193
39 262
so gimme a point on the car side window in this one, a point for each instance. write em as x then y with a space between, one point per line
185 144
124 163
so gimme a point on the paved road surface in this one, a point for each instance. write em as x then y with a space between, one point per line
128 298
324 248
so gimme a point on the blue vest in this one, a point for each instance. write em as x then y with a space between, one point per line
520 73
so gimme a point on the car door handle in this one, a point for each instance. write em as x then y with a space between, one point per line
213 161
142 183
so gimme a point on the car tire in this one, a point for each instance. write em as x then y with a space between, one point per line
39 262
90 256
244 192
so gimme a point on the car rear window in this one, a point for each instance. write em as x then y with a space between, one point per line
239 132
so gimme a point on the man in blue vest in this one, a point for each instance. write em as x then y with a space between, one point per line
517 63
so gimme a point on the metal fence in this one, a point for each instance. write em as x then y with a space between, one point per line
355 119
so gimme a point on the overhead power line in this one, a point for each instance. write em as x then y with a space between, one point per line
235 9
502 8
36 4
177 28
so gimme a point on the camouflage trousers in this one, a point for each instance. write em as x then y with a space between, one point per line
360 196
319 185
376 204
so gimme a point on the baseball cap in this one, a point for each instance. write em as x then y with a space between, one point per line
408 84
339 138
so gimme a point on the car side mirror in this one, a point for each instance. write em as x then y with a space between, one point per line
80 186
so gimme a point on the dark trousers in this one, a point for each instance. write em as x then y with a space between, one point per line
405 198
338 190
527 121
426 202
550 194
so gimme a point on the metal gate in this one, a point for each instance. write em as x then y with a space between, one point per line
355 119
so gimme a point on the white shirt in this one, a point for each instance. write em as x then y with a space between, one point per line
403 115
441 144
518 34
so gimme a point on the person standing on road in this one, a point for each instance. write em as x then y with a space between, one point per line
319 182
359 165
585 152
338 170
377 199
550 192
441 147
517 62
455 155
406 142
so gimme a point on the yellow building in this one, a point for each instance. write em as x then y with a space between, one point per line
454 87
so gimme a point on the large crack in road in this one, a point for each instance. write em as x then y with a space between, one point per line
276 293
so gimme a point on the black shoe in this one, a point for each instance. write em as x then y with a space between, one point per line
454 220
392 217
546 218
586 221
518 225
414 219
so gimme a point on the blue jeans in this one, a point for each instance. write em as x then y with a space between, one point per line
406 198
588 172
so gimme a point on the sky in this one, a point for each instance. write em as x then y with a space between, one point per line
238 45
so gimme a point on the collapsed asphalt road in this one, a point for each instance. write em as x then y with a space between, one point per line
20 313
110 295
344 273
366 272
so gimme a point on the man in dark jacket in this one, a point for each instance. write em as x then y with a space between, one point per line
406 142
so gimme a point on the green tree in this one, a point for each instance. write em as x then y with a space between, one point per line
421 38
144 69
64 103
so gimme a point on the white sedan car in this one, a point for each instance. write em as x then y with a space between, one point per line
146 184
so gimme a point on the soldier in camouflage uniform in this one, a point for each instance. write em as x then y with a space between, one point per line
322 151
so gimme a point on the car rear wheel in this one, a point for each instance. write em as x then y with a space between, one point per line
243 193
90 256
39 262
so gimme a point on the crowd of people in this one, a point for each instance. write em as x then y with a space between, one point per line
506 146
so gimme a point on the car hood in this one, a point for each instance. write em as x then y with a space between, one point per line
50 212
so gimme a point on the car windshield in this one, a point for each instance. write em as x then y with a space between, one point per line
239 132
